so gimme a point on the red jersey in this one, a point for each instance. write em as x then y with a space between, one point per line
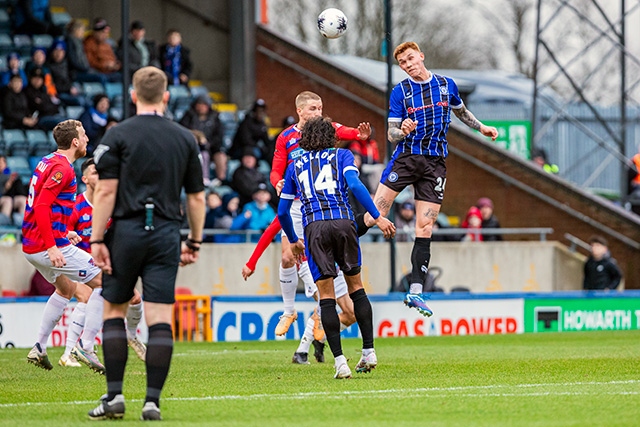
287 148
80 221
52 195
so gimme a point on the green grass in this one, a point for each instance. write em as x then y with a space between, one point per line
570 379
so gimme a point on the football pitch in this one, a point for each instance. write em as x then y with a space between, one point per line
553 379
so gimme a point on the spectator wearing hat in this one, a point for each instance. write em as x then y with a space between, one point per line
253 134
79 68
472 221
59 67
15 106
257 214
95 120
247 178
601 272
405 221
100 53
539 157
142 52
46 107
201 117
34 17
175 59
13 68
489 219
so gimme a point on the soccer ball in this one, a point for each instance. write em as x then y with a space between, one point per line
332 23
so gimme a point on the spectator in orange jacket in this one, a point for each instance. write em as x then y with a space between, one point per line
99 52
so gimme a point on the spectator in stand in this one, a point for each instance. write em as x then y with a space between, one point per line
59 67
47 107
473 220
367 149
601 272
95 120
214 203
100 53
141 52
79 68
224 217
205 159
539 157
15 106
405 222
175 60
38 60
13 193
203 118
253 133
257 214
13 68
34 17
489 220
247 178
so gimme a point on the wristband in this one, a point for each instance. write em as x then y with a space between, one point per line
191 244
97 242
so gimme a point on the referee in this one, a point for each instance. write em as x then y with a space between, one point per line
143 164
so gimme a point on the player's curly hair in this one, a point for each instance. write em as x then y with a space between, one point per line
317 134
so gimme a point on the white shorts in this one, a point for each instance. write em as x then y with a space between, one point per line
80 266
296 216
340 285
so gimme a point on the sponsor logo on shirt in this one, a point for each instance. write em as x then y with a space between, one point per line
57 177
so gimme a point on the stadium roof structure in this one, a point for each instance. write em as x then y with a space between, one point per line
478 85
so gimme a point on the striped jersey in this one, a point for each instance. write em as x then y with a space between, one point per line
54 173
80 221
287 149
429 103
318 177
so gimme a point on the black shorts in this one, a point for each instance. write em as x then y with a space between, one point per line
329 243
428 174
151 255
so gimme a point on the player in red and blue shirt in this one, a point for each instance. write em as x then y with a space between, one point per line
81 221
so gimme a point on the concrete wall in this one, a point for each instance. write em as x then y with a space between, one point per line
481 267
208 42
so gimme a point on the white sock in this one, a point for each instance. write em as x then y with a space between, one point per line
93 320
288 286
305 275
340 360
52 313
133 319
415 288
76 324
307 337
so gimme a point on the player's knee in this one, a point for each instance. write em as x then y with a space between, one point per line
288 260
424 230
353 272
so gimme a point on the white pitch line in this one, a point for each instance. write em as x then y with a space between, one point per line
433 392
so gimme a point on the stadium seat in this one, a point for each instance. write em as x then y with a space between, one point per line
16 142
116 113
60 18
39 143
90 89
178 95
33 161
42 40
264 167
198 90
5 21
20 164
232 165
3 147
74 111
22 43
113 89
6 45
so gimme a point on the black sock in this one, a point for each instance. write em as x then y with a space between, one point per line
360 225
364 316
420 256
331 325
158 360
114 347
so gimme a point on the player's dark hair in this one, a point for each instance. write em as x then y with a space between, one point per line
317 134
86 164
65 132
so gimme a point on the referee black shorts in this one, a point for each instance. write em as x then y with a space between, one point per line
427 174
329 243
153 256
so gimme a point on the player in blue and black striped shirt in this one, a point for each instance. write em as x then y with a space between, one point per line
419 116
322 174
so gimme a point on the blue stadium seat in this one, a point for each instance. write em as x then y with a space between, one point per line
42 40
74 111
20 164
16 142
22 43
5 21
3 63
33 161
6 44
232 165
3 147
198 90
39 143
264 167
178 95
92 88
113 89
60 19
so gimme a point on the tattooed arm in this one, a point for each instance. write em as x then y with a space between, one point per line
397 131
470 120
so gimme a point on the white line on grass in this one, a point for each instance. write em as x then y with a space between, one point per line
434 392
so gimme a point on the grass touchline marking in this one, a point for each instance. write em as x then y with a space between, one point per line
373 393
